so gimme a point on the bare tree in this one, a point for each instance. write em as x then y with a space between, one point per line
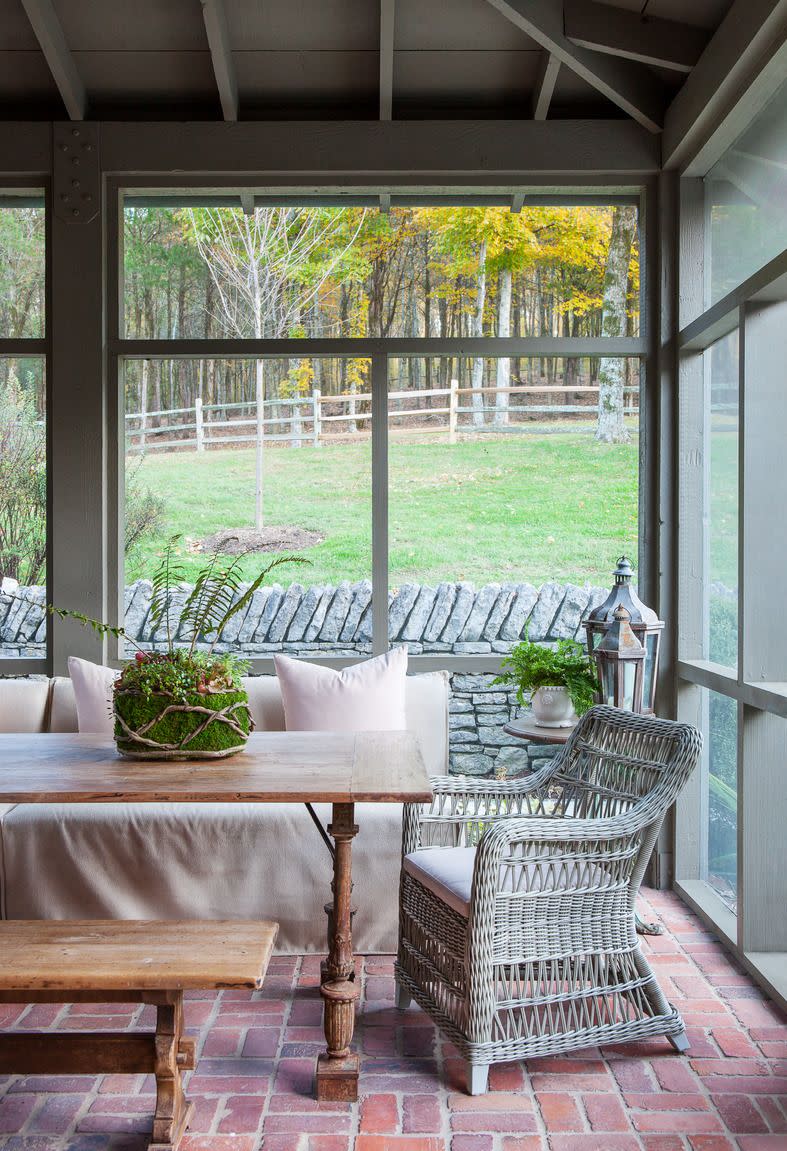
268 267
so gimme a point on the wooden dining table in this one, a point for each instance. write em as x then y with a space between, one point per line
275 767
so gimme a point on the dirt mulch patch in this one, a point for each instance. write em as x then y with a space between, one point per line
235 541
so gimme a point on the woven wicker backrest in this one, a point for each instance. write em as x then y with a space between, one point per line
616 759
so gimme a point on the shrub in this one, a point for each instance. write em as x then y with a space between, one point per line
22 488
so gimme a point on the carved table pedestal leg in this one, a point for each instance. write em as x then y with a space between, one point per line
337 1069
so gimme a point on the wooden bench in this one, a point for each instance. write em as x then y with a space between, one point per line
124 961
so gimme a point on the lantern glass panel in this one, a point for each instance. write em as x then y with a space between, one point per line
651 652
628 671
607 681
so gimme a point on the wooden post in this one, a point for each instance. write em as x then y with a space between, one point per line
200 430
259 438
316 421
453 414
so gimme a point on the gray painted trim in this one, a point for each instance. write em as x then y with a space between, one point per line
646 39
633 89
380 152
379 379
387 20
51 38
218 34
738 71
767 285
545 85
769 969
489 346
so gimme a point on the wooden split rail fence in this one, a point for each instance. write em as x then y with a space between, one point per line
312 417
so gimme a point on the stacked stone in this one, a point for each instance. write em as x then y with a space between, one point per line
479 710
22 621
451 618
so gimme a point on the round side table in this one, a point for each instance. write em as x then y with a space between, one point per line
526 728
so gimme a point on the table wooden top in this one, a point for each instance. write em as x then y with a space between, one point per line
526 728
143 955
275 767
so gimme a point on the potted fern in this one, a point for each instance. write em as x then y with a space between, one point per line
185 702
561 679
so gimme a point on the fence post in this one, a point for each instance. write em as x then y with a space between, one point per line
453 413
316 420
200 429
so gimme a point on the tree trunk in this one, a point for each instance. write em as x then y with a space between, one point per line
477 380
504 363
611 428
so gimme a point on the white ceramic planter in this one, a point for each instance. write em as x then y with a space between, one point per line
552 707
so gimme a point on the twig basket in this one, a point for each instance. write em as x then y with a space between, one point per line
210 725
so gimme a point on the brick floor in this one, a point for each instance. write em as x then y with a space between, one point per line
253 1085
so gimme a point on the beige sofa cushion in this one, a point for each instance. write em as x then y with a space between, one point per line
24 704
426 704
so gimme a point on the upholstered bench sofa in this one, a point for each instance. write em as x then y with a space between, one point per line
202 861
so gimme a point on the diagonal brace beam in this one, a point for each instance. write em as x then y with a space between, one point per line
634 89
221 54
51 38
647 39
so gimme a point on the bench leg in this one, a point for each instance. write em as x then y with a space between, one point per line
173 1111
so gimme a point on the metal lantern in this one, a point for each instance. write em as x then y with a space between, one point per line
620 661
643 621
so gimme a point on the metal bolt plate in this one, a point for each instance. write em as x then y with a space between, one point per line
76 171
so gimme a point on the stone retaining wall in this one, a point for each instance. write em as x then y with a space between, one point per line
451 618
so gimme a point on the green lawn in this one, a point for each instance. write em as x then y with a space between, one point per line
557 506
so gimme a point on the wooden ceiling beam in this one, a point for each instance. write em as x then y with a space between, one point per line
218 34
646 39
741 68
633 88
545 85
51 38
387 17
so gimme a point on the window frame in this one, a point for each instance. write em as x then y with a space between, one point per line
379 352
38 347
757 308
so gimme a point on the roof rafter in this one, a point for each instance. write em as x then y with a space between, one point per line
51 38
545 85
647 39
218 34
387 17
742 66
636 90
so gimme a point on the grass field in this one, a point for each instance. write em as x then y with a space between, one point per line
558 506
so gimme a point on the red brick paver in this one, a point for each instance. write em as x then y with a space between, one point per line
253 1086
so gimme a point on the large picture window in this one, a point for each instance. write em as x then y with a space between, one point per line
451 487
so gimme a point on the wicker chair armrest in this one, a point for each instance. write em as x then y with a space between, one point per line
462 807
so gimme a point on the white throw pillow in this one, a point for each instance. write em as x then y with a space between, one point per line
93 694
369 696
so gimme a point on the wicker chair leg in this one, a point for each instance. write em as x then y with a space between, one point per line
477 1078
403 997
680 1042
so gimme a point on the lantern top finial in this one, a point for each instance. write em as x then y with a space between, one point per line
624 571
623 593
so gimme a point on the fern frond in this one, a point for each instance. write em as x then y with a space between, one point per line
243 601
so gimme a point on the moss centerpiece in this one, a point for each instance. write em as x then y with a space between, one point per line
176 705
186 701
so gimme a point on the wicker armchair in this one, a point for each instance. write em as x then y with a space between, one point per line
517 932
